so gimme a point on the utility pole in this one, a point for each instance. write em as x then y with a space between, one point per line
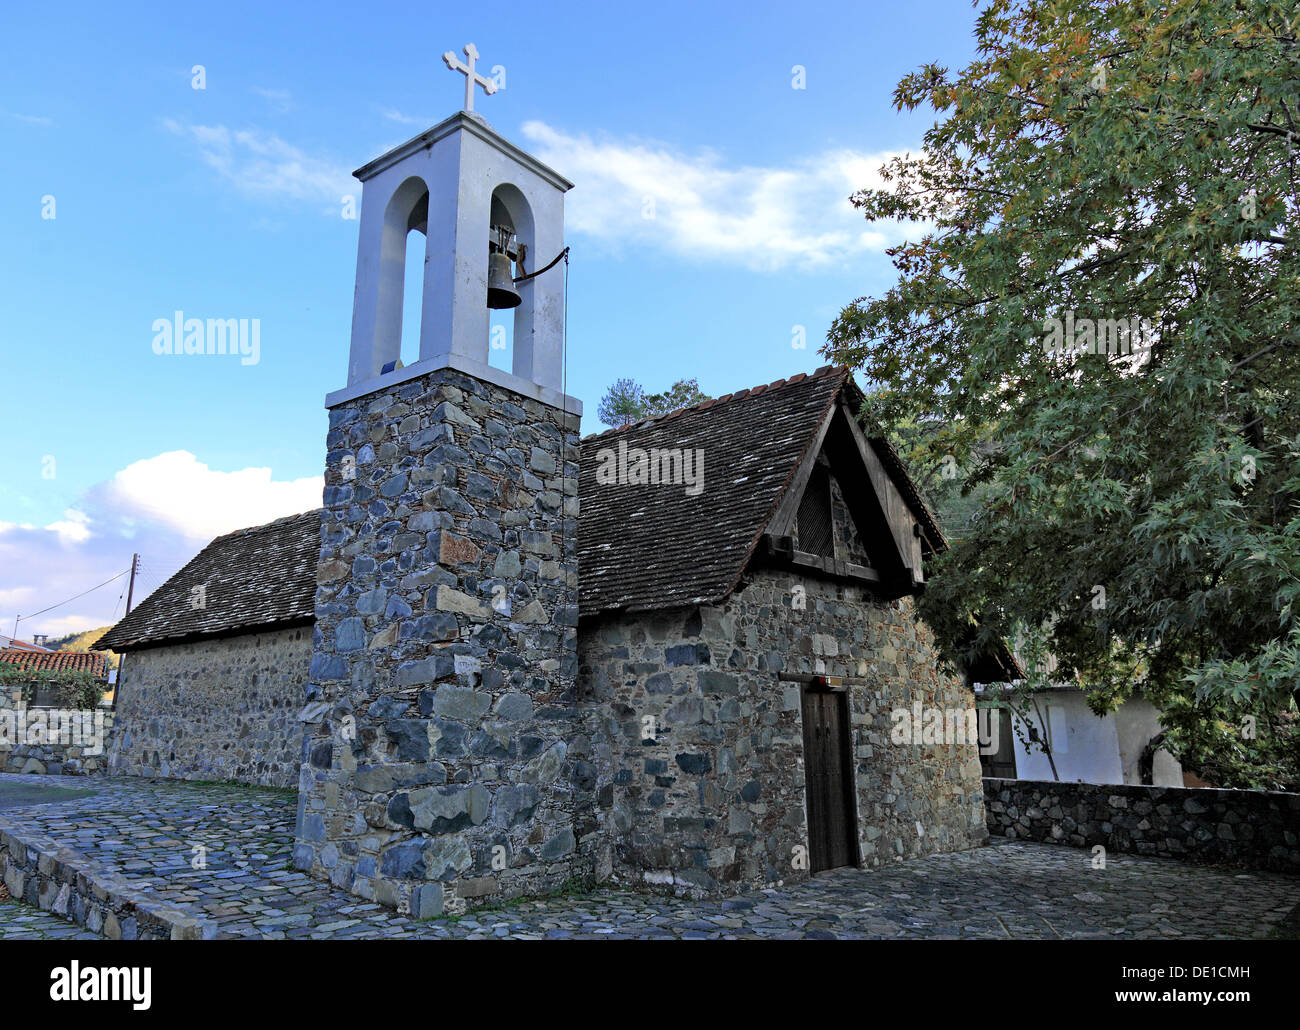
130 587
121 659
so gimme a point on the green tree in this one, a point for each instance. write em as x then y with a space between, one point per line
623 404
626 402
1100 310
74 688
943 480
682 394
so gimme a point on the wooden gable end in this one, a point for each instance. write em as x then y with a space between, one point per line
885 522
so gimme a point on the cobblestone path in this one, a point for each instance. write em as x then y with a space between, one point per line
154 832
23 922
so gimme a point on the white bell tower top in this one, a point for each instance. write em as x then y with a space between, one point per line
455 182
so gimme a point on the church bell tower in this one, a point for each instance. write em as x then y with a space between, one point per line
439 749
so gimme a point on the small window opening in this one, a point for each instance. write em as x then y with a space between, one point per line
816 532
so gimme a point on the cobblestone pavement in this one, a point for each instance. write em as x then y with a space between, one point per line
17 794
23 922
149 832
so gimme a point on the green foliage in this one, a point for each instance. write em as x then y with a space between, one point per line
682 394
944 482
1233 745
11 675
1102 160
75 689
623 404
626 402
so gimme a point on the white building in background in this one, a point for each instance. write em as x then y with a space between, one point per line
36 644
1086 747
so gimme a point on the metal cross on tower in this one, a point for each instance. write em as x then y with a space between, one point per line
471 76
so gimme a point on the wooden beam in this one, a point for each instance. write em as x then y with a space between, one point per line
780 551
782 521
834 683
902 523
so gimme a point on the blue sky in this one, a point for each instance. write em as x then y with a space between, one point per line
225 202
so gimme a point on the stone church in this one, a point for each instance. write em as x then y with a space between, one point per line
502 658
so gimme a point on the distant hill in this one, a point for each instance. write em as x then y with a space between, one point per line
82 642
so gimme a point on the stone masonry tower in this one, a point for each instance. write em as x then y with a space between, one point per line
443 755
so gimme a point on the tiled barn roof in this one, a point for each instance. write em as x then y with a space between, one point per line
251 578
56 661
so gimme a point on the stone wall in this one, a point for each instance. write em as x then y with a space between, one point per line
445 765
219 709
702 780
41 740
1255 829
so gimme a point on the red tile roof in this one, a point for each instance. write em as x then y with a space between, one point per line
23 645
56 661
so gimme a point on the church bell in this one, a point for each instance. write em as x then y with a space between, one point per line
502 250
501 284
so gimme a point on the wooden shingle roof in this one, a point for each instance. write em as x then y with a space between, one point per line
655 546
250 579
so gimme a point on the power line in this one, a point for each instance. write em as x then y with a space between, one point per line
112 619
51 608
153 578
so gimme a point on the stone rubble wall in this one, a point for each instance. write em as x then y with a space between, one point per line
56 758
1254 829
220 709
702 789
444 765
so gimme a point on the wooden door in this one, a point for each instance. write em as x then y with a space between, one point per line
828 773
1003 763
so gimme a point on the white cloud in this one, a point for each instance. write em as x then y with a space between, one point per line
58 624
409 119
32 119
766 218
694 205
178 491
279 100
13 600
74 529
165 508
264 165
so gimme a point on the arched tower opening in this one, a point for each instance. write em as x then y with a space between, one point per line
403 249
511 235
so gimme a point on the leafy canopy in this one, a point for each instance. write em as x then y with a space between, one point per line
626 402
1102 161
